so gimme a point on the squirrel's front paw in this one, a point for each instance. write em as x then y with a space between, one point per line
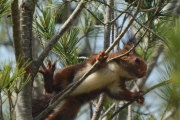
102 57
48 73
49 70
141 99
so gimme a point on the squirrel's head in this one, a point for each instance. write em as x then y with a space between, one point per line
133 63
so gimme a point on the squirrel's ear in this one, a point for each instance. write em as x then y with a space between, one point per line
128 46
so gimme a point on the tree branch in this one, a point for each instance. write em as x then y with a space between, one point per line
147 91
56 37
16 29
108 110
157 9
94 16
99 107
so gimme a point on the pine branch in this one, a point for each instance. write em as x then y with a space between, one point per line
56 37
147 91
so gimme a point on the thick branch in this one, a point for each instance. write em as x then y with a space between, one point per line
16 29
107 27
24 108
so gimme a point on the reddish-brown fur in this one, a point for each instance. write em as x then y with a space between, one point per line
132 63
72 105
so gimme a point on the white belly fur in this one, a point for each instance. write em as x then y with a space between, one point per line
104 77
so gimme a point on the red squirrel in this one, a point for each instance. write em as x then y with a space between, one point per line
109 78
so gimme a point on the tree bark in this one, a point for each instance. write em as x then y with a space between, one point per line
16 29
24 103
107 27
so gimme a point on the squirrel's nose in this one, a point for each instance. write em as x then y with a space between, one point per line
144 73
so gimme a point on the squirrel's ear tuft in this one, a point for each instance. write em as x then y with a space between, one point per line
128 46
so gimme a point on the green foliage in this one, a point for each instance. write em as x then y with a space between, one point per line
66 47
87 23
170 93
12 79
4 7
108 102
158 23
55 4
45 24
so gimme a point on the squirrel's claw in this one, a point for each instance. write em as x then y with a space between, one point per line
49 69
102 57
141 99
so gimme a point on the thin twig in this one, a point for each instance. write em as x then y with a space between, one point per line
37 32
151 9
144 103
123 22
94 103
99 107
121 11
162 117
91 109
137 20
10 105
94 16
7 30
147 91
125 29
101 10
94 42
116 108
108 110
148 10
112 27
130 49
117 10
82 57
130 112
13 106
139 113
146 28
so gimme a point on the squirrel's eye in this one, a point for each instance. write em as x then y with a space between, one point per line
137 60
